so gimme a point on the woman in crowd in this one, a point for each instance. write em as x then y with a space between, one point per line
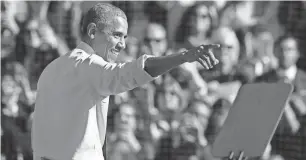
195 26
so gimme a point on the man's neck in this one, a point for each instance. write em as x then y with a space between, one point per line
289 69
86 47
87 41
289 72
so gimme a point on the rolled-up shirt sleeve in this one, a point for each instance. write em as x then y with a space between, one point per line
114 78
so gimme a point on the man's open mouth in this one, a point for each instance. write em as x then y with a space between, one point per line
112 55
114 52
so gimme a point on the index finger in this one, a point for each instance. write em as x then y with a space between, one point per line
212 57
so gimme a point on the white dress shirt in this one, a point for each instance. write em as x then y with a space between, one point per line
289 73
72 103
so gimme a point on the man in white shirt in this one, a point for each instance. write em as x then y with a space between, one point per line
73 91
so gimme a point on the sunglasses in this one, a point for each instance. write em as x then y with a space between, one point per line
226 46
157 40
203 16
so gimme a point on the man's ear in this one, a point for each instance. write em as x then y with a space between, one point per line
91 30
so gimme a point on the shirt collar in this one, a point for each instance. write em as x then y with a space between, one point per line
85 47
290 73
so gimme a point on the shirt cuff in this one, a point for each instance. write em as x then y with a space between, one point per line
144 76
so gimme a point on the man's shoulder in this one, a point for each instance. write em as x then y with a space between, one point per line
51 68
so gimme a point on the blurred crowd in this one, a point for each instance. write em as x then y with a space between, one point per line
178 115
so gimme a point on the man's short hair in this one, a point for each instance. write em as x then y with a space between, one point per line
102 14
283 37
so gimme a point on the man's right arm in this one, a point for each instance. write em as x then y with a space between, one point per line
156 66
111 78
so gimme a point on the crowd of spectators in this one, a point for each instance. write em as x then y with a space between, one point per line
178 115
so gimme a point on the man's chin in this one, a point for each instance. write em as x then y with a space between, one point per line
111 57
284 66
111 61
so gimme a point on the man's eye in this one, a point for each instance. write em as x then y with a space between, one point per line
117 35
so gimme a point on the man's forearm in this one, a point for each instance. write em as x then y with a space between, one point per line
156 66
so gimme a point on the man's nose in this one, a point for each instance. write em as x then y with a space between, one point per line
123 118
121 45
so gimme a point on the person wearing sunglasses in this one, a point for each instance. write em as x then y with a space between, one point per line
155 40
228 55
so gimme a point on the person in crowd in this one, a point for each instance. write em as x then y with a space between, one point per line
250 69
8 42
219 111
157 109
184 141
155 43
190 140
239 15
262 48
64 18
157 11
260 57
13 13
201 110
15 140
289 20
14 17
228 55
169 99
37 42
225 80
17 101
195 28
188 127
293 122
218 116
155 40
122 143
153 98
287 53
42 49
